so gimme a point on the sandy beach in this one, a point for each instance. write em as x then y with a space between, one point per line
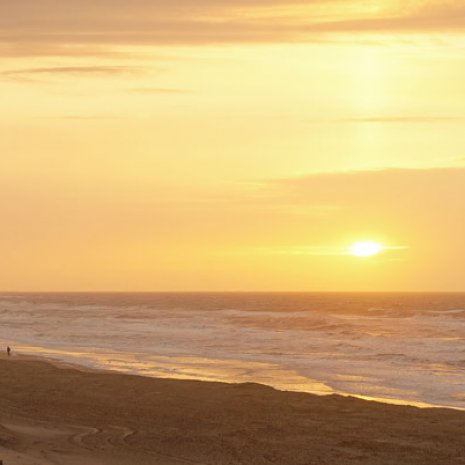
52 414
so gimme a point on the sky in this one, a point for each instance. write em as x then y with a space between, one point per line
243 145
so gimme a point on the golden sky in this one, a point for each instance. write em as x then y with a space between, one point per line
232 144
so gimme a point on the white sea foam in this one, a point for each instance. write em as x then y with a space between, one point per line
408 348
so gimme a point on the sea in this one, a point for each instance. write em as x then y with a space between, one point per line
395 348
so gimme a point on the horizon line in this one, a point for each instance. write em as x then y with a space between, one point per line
236 292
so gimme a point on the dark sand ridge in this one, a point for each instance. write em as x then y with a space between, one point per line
55 415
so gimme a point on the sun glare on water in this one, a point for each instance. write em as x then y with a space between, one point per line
365 249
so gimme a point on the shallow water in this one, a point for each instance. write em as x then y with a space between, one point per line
396 347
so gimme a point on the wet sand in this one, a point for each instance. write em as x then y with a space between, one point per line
57 415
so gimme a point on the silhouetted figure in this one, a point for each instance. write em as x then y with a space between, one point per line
8 350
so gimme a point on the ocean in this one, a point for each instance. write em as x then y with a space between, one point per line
398 348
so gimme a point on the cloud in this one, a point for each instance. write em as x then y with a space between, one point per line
419 212
94 70
19 49
403 119
28 75
160 90
325 250
429 16
89 118
394 190
50 26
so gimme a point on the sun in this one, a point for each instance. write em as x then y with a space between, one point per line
365 249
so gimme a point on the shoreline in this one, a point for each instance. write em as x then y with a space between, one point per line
62 360
51 414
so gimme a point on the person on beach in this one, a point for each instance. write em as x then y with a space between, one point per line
8 350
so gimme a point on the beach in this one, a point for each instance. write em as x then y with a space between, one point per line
395 348
57 414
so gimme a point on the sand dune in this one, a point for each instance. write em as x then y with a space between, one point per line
56 415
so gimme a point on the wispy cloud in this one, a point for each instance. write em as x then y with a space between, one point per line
49 26
70 70
385 190
325 251
403 119
407 211
31 75
160 90
89 117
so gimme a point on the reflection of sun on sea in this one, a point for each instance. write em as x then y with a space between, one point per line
365 249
